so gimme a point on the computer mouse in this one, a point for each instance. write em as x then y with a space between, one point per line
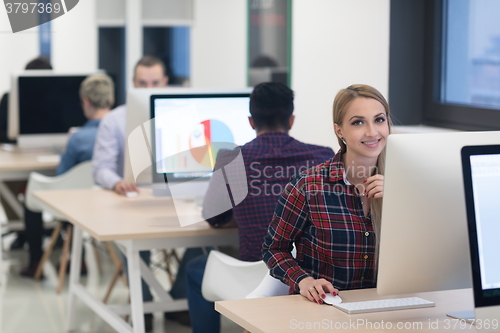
131 194
330 299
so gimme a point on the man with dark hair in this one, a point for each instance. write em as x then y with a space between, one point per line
108 160
146 73
270 160
39 63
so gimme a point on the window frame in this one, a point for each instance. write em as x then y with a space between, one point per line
436 113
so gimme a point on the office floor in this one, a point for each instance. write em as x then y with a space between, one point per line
27 306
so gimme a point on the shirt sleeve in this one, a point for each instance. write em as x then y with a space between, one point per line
70 157
105 156
289 220
217 208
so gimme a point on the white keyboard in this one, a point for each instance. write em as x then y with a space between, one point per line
384 305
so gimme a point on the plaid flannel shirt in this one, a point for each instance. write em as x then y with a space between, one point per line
323 215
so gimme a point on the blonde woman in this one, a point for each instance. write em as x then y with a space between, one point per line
332 211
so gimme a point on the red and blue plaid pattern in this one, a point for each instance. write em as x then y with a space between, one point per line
323 215
270 160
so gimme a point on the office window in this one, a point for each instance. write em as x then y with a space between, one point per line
462 64
471 57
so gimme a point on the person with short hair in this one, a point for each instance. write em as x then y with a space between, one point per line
108 164
40 62
97 95
108 160
332 212
269 160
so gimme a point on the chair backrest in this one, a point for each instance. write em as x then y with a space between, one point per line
78 177
270 286
227 278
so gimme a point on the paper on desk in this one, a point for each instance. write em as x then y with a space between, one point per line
48 158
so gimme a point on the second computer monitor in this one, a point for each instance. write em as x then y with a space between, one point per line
424 244
190 129
43 106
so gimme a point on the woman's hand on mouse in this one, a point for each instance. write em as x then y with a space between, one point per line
315 289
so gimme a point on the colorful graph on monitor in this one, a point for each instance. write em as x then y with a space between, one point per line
202 136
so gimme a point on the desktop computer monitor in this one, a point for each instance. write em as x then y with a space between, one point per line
43 106
190 129
481 175
140 166
424 244
137 129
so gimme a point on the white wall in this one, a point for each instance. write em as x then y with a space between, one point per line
74 39
74 43
335 43
219 44
16 50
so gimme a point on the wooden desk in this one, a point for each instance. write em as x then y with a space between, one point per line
136 224
16 165
295 313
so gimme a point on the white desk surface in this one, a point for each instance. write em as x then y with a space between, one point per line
139 223
27 160
294 313
107 216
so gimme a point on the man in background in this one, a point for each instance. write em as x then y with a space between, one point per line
108 163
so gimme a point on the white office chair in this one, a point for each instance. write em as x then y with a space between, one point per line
78 177
270 286
227 278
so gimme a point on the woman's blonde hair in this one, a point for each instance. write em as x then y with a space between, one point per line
342 100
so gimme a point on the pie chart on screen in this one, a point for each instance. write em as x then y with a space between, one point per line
203 135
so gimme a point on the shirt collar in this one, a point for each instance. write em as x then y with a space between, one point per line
273 134
92 123
337 171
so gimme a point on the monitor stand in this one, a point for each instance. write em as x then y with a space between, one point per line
468 316
53 143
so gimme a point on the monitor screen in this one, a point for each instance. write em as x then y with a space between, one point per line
485 183
189 130
49 104
481 175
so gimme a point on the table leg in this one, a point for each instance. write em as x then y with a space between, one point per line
11 200
3 222
134 276
74 276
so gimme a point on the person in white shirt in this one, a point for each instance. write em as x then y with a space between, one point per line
108 163
109 149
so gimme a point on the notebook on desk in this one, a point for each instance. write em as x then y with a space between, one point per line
481 175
